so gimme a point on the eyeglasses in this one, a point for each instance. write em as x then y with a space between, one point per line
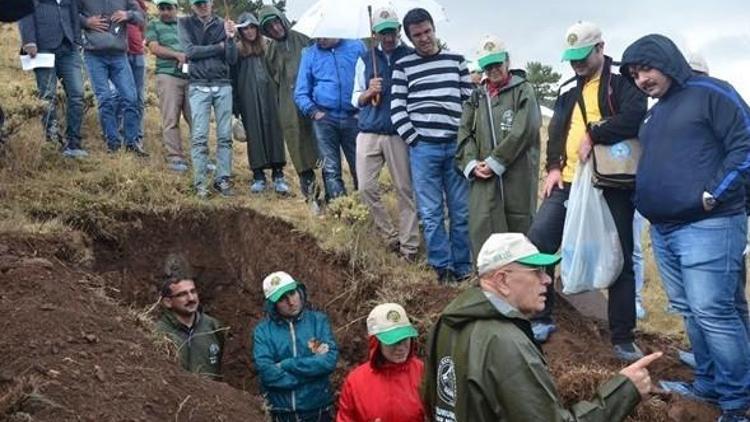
538 271
183 294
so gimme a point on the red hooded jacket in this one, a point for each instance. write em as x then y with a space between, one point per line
384 390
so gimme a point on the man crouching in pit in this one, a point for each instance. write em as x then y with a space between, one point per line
199 338
294 352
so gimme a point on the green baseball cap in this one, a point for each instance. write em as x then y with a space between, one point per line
491 50
172 2
390 324
501 249
581 38
277 284
199 1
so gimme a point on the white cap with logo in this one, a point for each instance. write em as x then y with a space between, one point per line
383 19
491 50
277 284
580 39
502 249
390 324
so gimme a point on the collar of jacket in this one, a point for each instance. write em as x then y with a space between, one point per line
175 322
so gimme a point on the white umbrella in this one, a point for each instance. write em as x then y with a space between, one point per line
349 18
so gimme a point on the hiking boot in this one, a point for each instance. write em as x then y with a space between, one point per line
258 186
627 352
686 390
734 416
223 187
75 153
280 186
542 330
136 149
688 358
444 276
410 257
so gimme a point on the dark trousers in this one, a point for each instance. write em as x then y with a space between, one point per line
320 415
546 233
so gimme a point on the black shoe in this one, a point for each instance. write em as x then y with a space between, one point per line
444 276
137 149
224 187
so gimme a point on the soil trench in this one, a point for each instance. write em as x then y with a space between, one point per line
92 358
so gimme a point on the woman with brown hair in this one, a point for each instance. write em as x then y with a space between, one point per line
255 102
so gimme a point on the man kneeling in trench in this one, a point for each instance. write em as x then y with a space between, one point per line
199 338
294 353
483 363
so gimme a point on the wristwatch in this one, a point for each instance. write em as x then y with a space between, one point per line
709 202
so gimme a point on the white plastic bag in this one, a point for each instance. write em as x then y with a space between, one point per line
238 130
591 251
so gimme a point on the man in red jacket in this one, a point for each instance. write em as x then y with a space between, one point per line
386 387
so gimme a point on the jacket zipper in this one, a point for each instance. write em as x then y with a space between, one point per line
338 76
294 353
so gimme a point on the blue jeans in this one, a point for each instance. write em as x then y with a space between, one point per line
436 180
700 265
69 68
114 67
638 268
335 136
202 98
138 67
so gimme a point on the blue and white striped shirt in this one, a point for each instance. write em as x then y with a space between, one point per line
427 96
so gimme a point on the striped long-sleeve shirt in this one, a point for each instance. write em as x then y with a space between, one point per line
427 95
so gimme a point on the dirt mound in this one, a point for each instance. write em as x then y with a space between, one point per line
72 353
72 347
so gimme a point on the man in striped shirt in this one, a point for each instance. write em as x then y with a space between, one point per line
429 87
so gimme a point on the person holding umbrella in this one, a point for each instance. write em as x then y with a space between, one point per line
378 142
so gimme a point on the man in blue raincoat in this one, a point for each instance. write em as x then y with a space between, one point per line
294 353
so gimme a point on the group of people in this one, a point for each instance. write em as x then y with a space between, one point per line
449 144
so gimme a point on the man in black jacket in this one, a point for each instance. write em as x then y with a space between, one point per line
602 108
54 27
208 43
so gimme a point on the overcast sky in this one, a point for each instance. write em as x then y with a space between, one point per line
535 30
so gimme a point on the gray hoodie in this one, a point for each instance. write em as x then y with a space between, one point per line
115 40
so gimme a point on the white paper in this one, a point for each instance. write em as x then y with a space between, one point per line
40 60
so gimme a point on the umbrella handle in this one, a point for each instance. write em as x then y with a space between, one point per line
375 100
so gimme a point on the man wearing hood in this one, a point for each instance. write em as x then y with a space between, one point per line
498 147
386 387
294 352
690 185
602 108
198 337
283 57
483 363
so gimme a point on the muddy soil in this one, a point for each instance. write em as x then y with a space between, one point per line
72 333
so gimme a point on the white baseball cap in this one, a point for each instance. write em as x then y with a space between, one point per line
580 39
275 285
383 19
390 324
491 50
502 249
697 62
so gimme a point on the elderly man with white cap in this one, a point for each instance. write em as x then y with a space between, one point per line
483 363
498 147
386 387
603 108
294 352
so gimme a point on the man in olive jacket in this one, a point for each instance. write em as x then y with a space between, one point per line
283 57
498 147
483 363
198 337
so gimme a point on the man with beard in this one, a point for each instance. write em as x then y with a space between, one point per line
295 353
198 337
283 57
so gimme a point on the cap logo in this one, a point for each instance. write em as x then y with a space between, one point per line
384 14
275 281
572 39
393 316
489 46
